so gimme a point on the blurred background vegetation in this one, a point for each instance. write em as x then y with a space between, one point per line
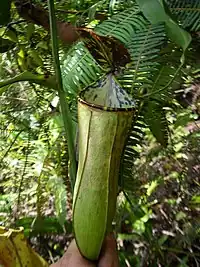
158 213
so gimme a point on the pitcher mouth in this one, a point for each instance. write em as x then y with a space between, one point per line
108 95
100 107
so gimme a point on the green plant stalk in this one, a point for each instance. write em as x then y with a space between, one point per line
30 77
67 118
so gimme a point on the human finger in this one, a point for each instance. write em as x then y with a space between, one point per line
108 256
73 258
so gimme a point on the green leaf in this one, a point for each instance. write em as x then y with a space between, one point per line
151 187
36 57
11 34
195 199
5 45
47 225
155 118
30 30
5 12
162 240
155 12
57 186
181 215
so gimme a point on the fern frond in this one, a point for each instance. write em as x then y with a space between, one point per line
155 119
10 147
79 69
153 116
186 12
164 76
144 48
134 140
123 25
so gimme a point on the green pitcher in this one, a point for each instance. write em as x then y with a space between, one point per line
105 113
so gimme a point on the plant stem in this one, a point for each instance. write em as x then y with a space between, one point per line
30 77
65 111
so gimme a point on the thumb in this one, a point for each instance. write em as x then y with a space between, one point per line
108 256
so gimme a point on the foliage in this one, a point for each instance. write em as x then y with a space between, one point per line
159 186
15 251
160 223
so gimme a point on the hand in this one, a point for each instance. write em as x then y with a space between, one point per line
73 258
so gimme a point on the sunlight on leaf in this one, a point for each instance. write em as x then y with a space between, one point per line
15 250
154 10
